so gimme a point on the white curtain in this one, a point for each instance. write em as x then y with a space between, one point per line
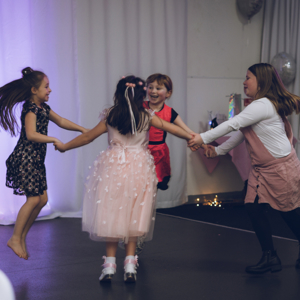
281 33
85 47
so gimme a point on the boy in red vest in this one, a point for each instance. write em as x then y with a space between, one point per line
159 89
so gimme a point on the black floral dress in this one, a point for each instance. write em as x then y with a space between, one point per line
26 172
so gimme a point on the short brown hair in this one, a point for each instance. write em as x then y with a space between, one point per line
161 80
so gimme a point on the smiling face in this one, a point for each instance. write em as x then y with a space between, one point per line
41 94
157 94
250 85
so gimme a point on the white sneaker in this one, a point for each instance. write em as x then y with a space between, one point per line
109 270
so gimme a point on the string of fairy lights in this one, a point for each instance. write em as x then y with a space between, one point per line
208 202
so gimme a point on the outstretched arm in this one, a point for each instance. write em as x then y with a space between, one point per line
65 123
257 111
82 139
236 139
171 128
178 121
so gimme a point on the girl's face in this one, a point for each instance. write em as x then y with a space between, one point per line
157 94
42 93
250 85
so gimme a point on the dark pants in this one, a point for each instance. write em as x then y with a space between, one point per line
262 227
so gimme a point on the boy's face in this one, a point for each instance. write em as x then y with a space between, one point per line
157 94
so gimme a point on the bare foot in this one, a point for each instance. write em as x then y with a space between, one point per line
16 246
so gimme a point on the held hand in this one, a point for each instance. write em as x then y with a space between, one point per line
55 140
204 147
195 147
59 146
196 140
210 151
85 130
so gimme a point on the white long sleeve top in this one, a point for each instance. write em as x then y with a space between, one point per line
262 116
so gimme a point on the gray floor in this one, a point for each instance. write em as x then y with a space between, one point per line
186 260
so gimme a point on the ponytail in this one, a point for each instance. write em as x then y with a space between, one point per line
14 93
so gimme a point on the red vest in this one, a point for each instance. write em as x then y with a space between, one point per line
158 136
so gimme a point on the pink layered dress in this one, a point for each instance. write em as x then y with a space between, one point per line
120 196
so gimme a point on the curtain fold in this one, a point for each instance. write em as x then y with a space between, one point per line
85 47
281 33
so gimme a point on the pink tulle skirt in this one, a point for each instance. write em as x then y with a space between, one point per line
120 196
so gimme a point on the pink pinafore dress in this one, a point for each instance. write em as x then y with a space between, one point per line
275 181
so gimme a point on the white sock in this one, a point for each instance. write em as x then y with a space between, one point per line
108 270
130 268
110 260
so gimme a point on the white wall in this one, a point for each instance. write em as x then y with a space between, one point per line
222 44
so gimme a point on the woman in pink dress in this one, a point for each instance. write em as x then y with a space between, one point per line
275 176
119 202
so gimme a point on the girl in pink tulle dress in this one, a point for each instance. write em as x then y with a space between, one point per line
119 202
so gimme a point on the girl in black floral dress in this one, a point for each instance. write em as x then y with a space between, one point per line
26 172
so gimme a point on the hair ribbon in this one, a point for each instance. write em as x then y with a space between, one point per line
133 123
